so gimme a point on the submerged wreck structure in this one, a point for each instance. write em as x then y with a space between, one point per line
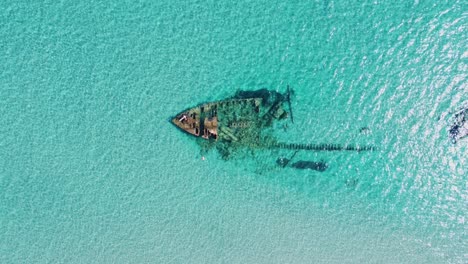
302 164
245 120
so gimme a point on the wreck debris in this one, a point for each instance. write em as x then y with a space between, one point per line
458 128
302 164
311 165
288 99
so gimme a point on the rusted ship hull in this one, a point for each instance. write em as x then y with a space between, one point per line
213 121
237 119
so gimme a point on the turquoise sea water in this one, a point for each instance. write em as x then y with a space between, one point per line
91 171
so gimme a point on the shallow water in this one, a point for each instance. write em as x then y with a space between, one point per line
92 171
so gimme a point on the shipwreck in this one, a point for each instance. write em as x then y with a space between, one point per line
245 120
